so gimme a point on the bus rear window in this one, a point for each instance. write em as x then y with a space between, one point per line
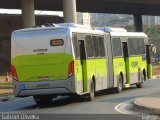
117 48
57 42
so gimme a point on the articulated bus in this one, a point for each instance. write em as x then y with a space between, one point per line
70 59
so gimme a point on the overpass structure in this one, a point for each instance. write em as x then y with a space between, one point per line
135 7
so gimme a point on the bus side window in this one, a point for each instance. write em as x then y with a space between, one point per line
96 46
101 46
89 46
117 47
135 46
141 48
130 46
75 46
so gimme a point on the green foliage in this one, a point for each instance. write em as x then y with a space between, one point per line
153 33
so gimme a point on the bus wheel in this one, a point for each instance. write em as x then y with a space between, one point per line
91 91
43 100
141 83
119 84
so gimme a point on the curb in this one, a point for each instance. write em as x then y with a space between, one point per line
144 108
6 98
156 77
5 87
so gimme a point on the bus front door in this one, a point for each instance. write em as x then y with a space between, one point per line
126 59
83 63
149 63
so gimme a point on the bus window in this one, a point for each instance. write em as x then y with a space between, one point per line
75 46
117 48
141 48
96 46
130 46
89 46
135 46
101 46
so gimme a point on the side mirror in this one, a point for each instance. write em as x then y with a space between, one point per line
153 49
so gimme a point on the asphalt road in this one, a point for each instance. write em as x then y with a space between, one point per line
104 102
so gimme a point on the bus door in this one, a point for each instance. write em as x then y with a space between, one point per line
83 63
148 56
126 59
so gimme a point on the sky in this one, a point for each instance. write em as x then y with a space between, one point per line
37 12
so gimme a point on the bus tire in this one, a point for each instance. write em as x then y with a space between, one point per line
91 93
43 100
141 83
119 87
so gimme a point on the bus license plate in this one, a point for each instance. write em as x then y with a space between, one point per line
43 78
42 86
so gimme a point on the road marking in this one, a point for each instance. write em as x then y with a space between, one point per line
117 106
133 113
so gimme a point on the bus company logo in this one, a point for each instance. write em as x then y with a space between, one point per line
40 50
134 64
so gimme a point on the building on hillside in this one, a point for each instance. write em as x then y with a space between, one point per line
84 19
148 20
157 20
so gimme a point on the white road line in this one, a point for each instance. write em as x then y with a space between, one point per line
117 106
127 113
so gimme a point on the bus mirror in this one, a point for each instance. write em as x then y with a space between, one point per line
153 49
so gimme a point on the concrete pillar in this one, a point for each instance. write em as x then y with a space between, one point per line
138 23
28 16
69 11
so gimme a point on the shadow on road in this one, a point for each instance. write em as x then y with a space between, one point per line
66 100
57 102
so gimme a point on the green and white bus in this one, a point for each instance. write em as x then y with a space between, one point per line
70 59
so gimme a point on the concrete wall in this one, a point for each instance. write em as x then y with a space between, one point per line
7 25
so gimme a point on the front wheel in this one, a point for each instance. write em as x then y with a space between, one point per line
91 91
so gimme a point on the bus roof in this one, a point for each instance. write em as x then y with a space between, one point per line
140 34
81 28
62 26
112 29
121 32
55 26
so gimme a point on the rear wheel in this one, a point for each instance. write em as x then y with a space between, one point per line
91 91
140 84
43 100
119 84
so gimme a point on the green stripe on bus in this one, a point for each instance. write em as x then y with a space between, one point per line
51 65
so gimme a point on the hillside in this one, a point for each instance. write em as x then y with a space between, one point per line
153 33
